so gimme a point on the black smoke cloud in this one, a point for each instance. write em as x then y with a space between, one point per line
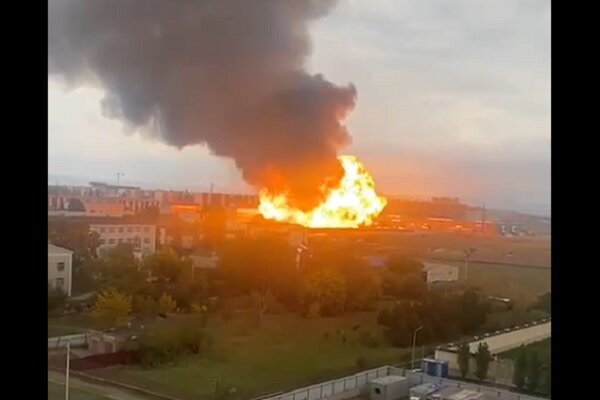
228 74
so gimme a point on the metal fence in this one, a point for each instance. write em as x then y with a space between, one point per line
342 388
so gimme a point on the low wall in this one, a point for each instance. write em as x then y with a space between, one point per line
61 341
338 389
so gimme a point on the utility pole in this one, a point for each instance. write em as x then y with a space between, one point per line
412 360
68 345
119 175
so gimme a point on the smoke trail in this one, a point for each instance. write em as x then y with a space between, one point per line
225 73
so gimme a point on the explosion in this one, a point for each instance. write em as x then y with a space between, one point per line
351 204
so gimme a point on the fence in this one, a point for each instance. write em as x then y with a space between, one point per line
338 389
60 341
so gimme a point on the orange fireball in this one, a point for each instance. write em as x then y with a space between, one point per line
351 204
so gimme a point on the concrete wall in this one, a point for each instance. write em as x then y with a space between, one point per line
510 340
61 341
338 389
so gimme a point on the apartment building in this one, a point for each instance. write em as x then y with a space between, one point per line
60 268
141 237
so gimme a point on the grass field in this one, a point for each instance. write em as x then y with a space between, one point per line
542 347
56 391
521 284
285 352
68 324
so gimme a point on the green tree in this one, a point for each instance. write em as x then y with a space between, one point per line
327 288
520 369
144 305
56 297
400 322
363 284
166 304
474 310
544 303
482 360
112 308
464 356
167 265
534 372
547 380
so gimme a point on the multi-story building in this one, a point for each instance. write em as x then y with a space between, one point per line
60 268
141 237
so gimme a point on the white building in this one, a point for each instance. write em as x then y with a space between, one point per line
141 237
60 268
440 272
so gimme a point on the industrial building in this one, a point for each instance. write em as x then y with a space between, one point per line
440 272
141 237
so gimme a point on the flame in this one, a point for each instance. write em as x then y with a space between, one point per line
351 204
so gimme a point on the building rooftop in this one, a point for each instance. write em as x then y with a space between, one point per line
384 380
53 249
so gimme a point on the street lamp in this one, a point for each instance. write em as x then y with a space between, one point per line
412 362
468 253
68 346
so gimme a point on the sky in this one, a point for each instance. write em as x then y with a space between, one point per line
453 100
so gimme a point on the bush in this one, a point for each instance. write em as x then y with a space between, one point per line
165 344
56 298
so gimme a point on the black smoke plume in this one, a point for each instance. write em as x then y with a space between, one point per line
228 74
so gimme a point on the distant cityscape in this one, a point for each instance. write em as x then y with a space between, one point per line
438 214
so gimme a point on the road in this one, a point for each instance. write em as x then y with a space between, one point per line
95 391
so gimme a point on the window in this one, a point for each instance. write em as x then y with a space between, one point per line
146 240
121 229
111 241
137 229
111 229
60 266
102 241
60 283
120 240
129 240
146 229
102 230
130 229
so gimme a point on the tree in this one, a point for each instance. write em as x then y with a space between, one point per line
520 370
112 308
534 371
56 297
144 305
544 303
363 284
464 357
400 322
547 381
474 311
166 304
413 287
482 360
327 288
166 265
